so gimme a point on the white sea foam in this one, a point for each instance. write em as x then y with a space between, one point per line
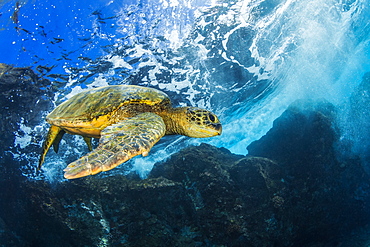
118 62
302 49
23 136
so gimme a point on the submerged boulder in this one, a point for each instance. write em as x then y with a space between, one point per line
322 190
303 133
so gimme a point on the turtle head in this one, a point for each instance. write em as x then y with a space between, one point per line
199 122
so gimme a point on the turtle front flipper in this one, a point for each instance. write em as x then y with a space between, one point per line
54 135
119 143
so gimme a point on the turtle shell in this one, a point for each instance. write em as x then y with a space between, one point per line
100 107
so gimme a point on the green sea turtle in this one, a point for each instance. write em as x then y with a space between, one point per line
128 119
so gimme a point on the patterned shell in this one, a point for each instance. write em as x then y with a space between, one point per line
96 103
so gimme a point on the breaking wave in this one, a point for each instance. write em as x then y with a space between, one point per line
244 60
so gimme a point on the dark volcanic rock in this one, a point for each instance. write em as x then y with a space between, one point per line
202 196
303 133
296 194
23 98
235 198
323 192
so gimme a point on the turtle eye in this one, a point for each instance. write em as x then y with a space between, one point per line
211 117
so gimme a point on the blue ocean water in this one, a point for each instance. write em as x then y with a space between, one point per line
244 60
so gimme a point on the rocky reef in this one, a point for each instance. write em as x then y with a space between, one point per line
24 96
291 190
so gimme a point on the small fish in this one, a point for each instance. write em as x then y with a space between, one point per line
15 15
22 29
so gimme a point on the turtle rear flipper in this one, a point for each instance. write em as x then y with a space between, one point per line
54 134
57 140
119 143
88 142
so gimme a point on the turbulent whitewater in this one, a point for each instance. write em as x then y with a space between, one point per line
244 60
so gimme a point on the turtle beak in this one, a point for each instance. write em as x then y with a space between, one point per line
217 127
209 130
